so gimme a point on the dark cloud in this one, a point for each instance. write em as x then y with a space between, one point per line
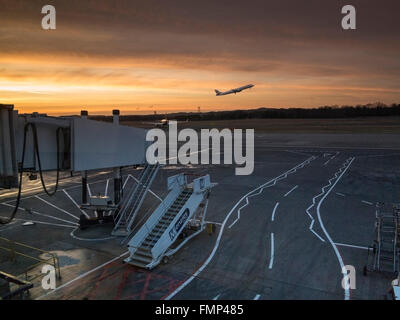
278 40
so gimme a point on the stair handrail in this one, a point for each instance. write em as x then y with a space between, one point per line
126 201
139 200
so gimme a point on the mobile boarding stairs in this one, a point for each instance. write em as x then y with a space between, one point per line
152 243
385 250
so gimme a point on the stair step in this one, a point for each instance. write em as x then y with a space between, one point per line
144 251
149 242
137 263
141 258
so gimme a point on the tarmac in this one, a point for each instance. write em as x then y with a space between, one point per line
285 232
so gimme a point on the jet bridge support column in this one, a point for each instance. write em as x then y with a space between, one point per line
117 185
84 187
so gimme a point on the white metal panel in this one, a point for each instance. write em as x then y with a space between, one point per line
98 145
178 179
8 164
145 229
201 184
179 222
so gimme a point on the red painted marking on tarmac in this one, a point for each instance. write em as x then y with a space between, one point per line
128 275
146 284
127 272
96 285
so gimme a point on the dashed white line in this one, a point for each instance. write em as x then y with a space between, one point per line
269 184
340 194
271 260
257 297
216 297
212 254
274 211
290 191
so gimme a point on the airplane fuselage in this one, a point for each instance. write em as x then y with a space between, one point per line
236 90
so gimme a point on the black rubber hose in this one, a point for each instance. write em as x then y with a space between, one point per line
36 146
11 218
39 162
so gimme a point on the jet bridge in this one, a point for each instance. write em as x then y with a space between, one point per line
38 143
152 242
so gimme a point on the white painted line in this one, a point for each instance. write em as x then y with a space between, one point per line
72 234
298 152
154 194
218 241
82 276
55 207
41 214
217 223
41 222
126 180
271 261
269 184
65 179
74 202
337 152
346 290
367 202
106 191
340 194
89 191
238 217
257 297
290 191
314 199
216 297
351 246
273 212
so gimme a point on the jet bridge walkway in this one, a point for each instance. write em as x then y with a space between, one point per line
132 203
151 243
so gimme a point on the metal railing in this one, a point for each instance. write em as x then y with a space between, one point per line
13 248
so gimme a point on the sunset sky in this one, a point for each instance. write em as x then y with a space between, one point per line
170 55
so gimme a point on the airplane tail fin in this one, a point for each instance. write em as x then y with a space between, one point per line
217 92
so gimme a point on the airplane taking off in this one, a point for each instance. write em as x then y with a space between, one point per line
236 90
